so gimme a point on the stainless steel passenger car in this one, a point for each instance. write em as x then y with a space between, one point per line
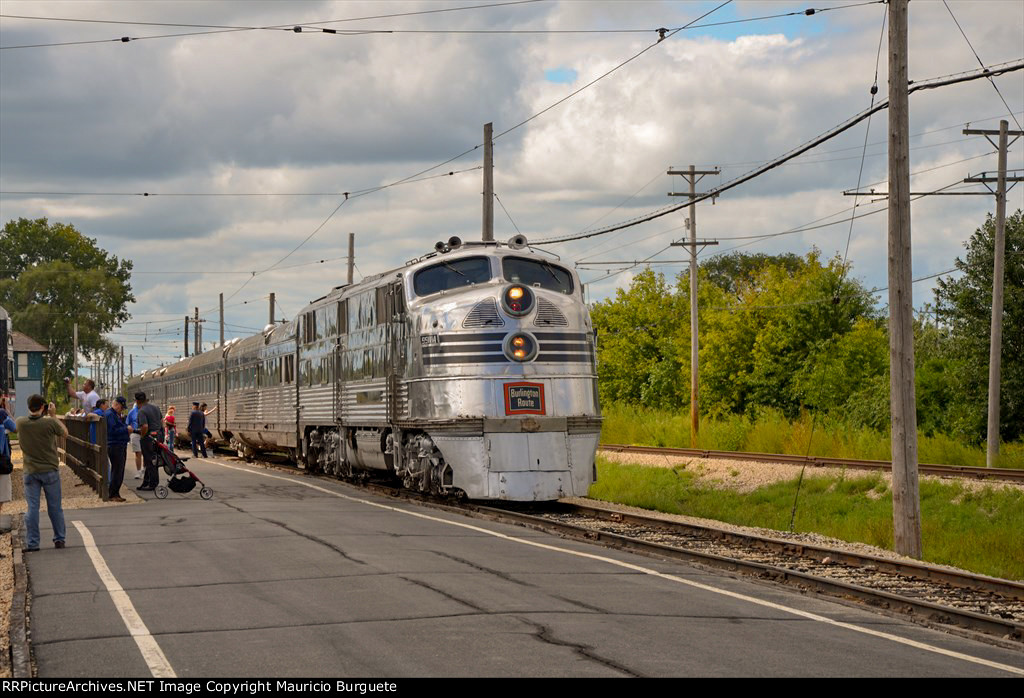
471 369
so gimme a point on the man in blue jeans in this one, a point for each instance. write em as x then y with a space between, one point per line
38 435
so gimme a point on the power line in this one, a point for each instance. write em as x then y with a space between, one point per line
931 83
357 192
980 62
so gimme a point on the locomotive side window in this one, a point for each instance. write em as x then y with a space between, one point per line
454 274
532 272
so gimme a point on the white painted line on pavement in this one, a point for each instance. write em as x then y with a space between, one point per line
151 652
646 570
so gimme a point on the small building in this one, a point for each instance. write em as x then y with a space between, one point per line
28 370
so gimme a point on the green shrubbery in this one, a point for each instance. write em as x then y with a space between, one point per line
784 336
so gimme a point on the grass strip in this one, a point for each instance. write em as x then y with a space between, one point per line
974 529
771 432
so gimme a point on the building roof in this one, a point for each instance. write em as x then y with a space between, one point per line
22 342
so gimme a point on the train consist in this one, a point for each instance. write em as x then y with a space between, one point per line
6 356
469 371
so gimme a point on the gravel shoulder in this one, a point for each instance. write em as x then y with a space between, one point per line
746 476
75 494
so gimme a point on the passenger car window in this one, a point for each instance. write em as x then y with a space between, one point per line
452 274
532 272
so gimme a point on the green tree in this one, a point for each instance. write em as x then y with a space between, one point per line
965 307
760 348
643 340
51 277
731 272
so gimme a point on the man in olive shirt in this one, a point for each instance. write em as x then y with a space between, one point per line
151 428
38 436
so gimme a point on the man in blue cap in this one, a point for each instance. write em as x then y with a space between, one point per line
118 434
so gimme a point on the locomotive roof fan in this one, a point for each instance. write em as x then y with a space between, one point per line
517 242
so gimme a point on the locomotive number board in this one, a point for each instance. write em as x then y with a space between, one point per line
524 398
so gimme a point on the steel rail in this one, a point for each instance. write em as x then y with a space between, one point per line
1008 631
966 471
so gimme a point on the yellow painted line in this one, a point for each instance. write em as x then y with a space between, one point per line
654 573
151 652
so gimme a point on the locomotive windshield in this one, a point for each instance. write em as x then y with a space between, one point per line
533 272
452 274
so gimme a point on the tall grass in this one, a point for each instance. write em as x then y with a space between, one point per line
974 530
770 432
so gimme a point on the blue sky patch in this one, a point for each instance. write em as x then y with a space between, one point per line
565 76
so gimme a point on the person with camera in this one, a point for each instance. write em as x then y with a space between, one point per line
88 396
38 434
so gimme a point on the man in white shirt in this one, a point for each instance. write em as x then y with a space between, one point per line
88 396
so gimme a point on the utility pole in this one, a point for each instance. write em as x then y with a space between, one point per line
131 365
197 349
271 308
222 320
693 176
120 373
995 350
186 336
351 256
906 499
488 222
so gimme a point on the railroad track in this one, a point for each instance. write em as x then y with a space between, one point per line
970 604
1006 474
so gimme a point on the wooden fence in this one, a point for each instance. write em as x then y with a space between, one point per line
84 450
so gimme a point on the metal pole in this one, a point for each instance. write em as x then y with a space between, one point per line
351 256
131 364
196 351
488 221
903 407
222 320
271 308
186 336
996 343
694 353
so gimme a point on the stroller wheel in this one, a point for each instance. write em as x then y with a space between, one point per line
206 493
160 492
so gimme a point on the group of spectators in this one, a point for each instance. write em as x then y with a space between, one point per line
38 434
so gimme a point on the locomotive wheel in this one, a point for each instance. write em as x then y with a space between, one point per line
206 493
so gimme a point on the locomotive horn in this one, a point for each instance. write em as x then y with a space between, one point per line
441 247
517 242
455 242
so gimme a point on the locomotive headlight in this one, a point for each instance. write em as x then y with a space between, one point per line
520 347
517 300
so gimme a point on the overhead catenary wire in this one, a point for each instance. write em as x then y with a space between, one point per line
280 27
315 27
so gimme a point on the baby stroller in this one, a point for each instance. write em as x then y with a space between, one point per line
179 478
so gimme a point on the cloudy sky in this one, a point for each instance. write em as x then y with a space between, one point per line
246 134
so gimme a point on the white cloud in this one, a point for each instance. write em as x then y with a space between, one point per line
280 112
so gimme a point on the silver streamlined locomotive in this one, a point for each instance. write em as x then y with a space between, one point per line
469 370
